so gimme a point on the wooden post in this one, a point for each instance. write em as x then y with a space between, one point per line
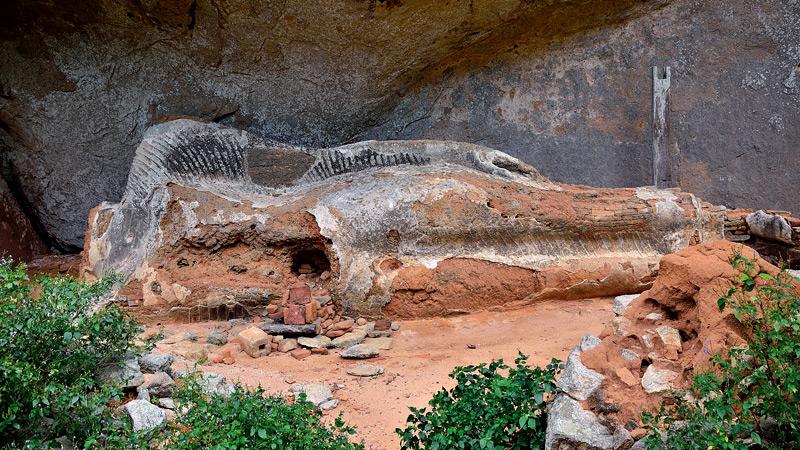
662 156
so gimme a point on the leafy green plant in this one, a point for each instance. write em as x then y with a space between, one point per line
750 399
486 409
249 419
51 341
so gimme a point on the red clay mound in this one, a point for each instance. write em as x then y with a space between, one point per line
669 332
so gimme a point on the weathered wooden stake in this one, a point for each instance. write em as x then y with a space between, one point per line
662 156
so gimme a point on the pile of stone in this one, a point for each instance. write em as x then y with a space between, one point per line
301 308
152 377
774 234
356 338
657 341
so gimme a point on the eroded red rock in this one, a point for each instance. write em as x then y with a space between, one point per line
409 229
692 328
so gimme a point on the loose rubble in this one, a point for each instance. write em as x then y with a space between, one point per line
774 234
661 338
153 379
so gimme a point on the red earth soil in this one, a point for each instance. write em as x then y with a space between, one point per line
424 353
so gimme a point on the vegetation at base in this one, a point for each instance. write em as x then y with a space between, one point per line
51 342
750 399
247 419
486 409
50 345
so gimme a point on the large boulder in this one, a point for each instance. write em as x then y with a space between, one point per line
160 385
408 228
570 427
318 394
125 373
769 226
154 362
144 415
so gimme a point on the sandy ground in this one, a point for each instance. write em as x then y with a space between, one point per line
424 352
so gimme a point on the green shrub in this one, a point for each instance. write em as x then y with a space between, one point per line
246 419
50 344
750 399
486 409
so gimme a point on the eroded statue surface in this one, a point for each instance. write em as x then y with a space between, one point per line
217 221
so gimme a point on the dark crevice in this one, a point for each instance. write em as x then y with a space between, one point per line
671 314
310 261
687 335
224 117
15 187
192 15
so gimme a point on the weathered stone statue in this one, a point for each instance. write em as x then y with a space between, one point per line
216 221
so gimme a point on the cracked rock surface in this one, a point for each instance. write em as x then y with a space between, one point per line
560 84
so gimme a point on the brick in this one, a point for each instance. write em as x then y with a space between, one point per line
300 295
343 325
311 311
287 345
382 325
255 342
335 333
300 353
294 315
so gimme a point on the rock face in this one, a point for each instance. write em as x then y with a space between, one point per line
410 228
637 367
559 84
18 239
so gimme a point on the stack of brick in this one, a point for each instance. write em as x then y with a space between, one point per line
301 307
736 229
